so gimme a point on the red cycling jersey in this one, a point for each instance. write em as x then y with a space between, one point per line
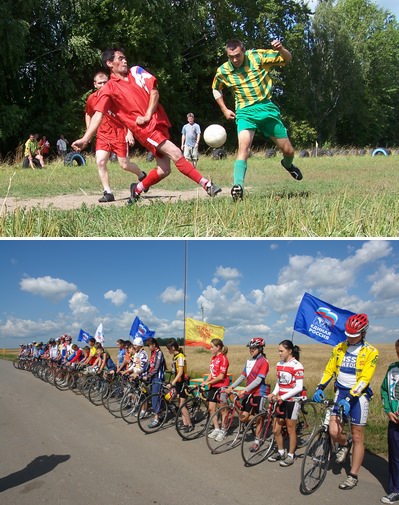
219 365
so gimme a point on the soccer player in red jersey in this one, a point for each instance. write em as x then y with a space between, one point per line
112 137
133 98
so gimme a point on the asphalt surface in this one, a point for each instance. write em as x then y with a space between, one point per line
58 448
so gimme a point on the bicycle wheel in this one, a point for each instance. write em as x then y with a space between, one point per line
114 399
308 420
146 413
230 427
130 405
316 461
199 416
60 380
258 439
96 391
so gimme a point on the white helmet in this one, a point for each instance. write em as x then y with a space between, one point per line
138 341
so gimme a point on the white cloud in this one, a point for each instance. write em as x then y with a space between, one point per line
227 273
49 287
386 284
172 295
274 246
117 297
81 308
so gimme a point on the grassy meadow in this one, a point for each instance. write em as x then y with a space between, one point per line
313 357
340 196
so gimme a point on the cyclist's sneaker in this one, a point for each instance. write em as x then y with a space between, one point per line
294 171
277 457
342 454
145 190
390 498
153 424
214 433
255 447
143 414
237 193
349 483
107 197
189 429
288 461
212 189
133 195
220 436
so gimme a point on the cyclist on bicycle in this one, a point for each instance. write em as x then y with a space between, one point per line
139 360
180 381
104 361
352 364
255 371
217 378
288 390
156 375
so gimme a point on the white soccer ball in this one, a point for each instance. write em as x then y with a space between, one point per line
215 135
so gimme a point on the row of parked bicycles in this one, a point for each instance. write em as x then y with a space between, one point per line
133 401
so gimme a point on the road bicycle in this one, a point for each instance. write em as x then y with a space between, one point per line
228 418
258 441
319 451
162 406
99 387
134 394
197 408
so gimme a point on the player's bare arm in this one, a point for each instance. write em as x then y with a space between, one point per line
152 105
284 53
91 130
228 114
129 138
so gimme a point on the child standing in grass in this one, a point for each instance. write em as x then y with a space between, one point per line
390 401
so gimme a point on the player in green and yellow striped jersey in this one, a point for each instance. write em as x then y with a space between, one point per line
247 73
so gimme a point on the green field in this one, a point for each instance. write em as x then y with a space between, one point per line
340 196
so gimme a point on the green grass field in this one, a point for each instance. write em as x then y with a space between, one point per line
340 196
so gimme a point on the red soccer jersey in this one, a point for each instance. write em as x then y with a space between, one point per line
127 99
111 129
287 375
219 365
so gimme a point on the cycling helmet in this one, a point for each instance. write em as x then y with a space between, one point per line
256 342
356 325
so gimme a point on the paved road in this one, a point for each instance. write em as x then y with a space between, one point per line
57 448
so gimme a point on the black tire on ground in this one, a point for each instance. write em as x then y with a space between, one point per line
316 462
219 154
25 162
74 159
381 151
304 154
270 153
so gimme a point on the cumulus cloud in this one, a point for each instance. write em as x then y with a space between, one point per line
24 330
172 295
80 306
49 287
117 297
385 284
227 273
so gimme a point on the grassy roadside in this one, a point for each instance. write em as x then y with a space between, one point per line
339 197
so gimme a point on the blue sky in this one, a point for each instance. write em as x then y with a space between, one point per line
252 287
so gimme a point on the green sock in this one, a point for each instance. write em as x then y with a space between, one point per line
240 168
287 161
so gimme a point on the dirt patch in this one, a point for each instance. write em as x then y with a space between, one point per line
68 202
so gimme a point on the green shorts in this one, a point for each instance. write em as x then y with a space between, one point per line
263 117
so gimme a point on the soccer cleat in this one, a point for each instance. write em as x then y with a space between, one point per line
390 498
107 197
133 195
237 193
277 457
214 433
220 436
342 454
288 461
349 483
294 171
212 189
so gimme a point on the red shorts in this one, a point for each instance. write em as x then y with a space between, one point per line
151 138
121 149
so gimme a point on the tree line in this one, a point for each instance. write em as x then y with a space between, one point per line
342 86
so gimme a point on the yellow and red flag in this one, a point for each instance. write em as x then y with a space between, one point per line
199 333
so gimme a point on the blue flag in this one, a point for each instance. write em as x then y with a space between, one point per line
321 321
84 336
139 329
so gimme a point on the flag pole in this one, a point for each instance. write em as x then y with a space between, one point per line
185 294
